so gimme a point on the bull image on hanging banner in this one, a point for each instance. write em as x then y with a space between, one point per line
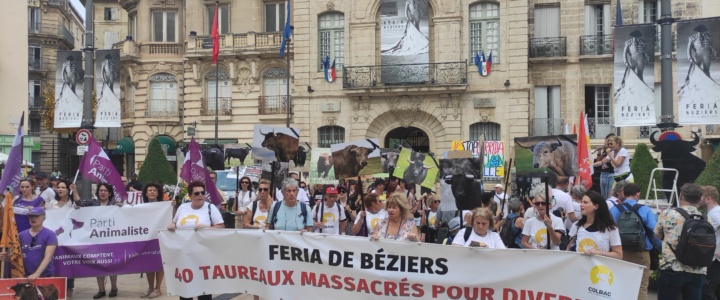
555 153
354 158
677 154
275 143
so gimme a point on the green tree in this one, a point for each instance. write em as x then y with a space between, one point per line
156 166
711 176
641 167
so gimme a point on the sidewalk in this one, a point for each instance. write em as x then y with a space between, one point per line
129 287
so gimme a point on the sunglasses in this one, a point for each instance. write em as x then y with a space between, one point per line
244 182
343 192
263 189
436 201
539 203
199 193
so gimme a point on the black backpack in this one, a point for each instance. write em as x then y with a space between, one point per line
696 244
506 232
631 227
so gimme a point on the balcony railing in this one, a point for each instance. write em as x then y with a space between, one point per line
36 102
596 44
162 108
270 105
161 49
37 64
68 36
206 42
128 109
422 74
208 107
56 29
60 3
544 126
237 41
548 47
601 127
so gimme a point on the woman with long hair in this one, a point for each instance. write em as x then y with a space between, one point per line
596 233
399 225
65 196
153 192
24 202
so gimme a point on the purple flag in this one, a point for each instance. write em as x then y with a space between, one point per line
194 170
11 175
97 167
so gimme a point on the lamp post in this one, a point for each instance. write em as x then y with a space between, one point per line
86 191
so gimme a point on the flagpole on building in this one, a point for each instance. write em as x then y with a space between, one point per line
85 189
287 86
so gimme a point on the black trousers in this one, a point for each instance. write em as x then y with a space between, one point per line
712 281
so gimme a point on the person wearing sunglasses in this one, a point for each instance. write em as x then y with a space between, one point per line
256 214
429 220
244 197
38 245
535 231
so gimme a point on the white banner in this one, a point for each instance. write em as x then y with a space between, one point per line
107 85
634 79
698 77
108 240
277 264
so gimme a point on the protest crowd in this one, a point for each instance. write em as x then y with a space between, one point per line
554 216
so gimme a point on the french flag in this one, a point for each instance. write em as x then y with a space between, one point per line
329 69
486 64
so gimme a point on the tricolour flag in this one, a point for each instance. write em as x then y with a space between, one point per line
215 37
585 169
478 62
11 239
194 170
329 70
12 174
98 168
488 64
286 31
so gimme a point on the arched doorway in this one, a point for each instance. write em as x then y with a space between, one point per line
410 137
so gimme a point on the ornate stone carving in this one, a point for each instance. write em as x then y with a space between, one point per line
486 116
330 121
406 108
244 76
450 106
164 3
361 109
163 77
331 5
220 74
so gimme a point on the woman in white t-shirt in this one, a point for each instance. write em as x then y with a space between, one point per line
256 214
483 220
371 216
197 213
596 233
620 160
536 228
243 198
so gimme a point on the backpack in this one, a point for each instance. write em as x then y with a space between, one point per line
506 232
442 233
631 227
276 208
696 244
468 232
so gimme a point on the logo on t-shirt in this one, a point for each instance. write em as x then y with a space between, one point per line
328 217
260 220
188 218
586 244
601 278
374 222
431 221
541 235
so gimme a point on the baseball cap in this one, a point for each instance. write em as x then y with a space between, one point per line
498 185
36 211
41 175
454 223
331 190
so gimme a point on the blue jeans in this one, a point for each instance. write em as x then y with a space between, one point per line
671 284
607 179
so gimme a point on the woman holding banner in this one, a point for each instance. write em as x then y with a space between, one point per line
256 213
372 214
153 192
483 220
596 233
399 224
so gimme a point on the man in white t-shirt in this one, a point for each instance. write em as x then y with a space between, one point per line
563 199
47 193
499 197
709 203
535 231
330 217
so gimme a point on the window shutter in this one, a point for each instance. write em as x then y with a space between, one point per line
606 19
114 14
554 99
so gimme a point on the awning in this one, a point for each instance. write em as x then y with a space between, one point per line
124 146
220 142
168 142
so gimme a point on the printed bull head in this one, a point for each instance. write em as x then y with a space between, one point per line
281 144
464 190
360 154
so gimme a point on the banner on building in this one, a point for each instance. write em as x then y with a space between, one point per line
69 78
554 153
634 79
277 264
107 88
404 41
99 241
698 76
47 287
322 170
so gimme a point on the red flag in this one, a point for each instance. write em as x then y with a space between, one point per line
584 164
574 129
215 37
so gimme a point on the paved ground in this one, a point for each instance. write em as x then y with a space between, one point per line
130 287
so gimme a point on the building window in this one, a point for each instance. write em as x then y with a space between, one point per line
132 26
485 30
328 135
224 18
111 14
648 11
34 57
163 95
275 84
224 94
164 26
34 20
274 16
597 20
35 94
547 119
599 111
331 36
490 129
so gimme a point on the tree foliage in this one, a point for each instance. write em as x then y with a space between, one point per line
711 175
156 166
641 167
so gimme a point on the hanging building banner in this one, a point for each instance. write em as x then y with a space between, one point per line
634 96
276 264
107 88
698 76
404 41
69 78
100 241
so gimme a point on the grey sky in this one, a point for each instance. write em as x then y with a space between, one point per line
79 7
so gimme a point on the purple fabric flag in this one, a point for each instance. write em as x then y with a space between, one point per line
97 167
194 170
11 175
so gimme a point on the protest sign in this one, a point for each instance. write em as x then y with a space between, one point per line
48 287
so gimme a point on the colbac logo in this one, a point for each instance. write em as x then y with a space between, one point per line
601 273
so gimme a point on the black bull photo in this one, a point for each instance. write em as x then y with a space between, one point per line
212 156
284 146
461 179
349 160
677 154
557 153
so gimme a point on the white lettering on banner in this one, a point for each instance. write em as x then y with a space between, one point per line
277 264
134 198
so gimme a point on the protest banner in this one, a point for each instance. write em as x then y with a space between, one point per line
494 159
99 241
134 197
475 147
48 287
278 264
416 167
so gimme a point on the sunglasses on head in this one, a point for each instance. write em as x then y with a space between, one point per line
263 189
199 193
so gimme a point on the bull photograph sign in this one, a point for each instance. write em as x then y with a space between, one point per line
107 88
388 160
275 143
416 167
461 183
554 153
322 170
698 77
69 89
238 154
404 41
350 158
634 79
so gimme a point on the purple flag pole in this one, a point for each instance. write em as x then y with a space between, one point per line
194 170
97 167
12 174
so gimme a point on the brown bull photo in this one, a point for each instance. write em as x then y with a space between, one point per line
275 143
350 158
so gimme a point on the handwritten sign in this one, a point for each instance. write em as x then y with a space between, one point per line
494 161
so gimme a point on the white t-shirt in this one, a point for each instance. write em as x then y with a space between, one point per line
562 199
537 231
246 199
187 217
260 217
491 239
529 214
498 198
625 166
432 216
601 241
372 219
714 218
330 217
48 195
576 209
